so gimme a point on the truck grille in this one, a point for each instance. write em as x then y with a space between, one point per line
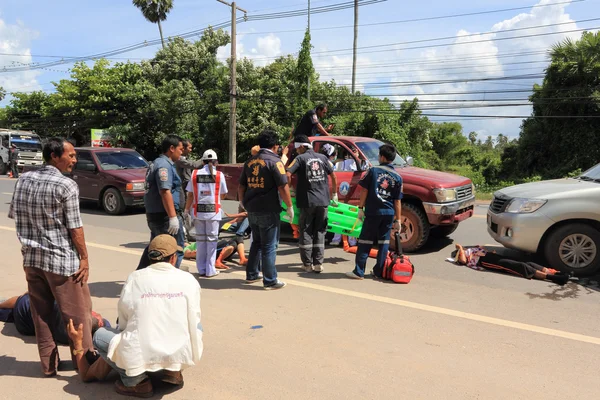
23 155
464 192
499 204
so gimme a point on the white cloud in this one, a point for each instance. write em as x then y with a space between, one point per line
436 64
16 39
263 52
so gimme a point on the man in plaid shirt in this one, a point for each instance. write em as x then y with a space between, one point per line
45 207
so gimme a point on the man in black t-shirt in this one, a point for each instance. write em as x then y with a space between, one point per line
312 198
263 185
310 124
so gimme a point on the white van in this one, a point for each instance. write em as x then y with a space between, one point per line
29 145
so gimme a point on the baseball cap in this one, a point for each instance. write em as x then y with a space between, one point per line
162 246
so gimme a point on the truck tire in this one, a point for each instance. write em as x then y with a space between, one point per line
415 228
574 248
112 202
3 167
443 231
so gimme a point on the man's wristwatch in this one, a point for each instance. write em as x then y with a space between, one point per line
75 352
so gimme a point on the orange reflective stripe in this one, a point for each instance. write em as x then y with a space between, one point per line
217 192
195 189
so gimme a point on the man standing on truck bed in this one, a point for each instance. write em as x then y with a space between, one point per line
310 124
263 184
380 208
312 198
162 202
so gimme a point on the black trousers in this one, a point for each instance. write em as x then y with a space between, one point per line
498 263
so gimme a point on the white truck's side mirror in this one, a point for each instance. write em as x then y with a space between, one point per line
410 161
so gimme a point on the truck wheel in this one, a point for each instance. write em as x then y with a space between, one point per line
574 248
112 202
3 168
415 228
443 231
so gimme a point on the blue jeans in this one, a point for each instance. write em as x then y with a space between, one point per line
265 237
375 232
159 225
101 341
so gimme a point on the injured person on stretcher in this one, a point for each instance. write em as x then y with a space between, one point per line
479 258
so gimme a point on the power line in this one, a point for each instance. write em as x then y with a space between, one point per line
421 19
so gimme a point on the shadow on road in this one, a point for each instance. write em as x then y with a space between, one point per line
434 245
10 330
93 208
106 388
135 245
10 366
106 289
224 284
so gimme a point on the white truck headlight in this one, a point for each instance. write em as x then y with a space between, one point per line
525 206
445 195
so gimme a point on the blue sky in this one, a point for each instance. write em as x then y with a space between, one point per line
83 27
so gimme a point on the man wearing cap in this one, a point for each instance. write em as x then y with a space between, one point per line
162 202
312 198
206 189
159 326
263 184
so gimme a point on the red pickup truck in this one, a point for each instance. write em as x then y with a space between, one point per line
434 202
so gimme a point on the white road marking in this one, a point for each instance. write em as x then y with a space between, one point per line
402 303
8 194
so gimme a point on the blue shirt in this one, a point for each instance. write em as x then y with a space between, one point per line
161 175
384 186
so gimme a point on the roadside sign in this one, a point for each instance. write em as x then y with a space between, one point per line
100 138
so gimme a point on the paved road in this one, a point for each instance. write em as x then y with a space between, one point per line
453 333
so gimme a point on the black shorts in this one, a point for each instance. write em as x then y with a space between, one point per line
498 263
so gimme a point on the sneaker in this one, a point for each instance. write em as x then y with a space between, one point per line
318 269
307 268
278 285
143 389
352 275
259 279
334 243
212 276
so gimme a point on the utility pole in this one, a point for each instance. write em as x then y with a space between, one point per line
233 90
308 83
355 44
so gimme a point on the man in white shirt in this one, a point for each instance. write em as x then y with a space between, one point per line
159 325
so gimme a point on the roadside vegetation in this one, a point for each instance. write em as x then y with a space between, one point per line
184 90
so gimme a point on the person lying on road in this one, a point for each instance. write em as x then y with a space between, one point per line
479 258
17 309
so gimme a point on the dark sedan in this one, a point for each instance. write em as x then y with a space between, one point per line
114 177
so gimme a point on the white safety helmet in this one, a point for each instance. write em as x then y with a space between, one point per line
209 155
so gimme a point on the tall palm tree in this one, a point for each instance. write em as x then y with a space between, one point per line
155 11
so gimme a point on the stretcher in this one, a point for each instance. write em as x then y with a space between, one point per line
342 218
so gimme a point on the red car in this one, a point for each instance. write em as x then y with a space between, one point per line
434 202
114 177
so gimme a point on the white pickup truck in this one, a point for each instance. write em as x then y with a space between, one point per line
560 219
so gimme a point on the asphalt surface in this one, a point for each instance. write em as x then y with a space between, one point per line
452 333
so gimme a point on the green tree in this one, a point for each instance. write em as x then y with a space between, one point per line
551 145
155 11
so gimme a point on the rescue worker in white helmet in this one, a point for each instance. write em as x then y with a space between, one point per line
206 189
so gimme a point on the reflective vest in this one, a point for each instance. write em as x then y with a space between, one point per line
207 189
